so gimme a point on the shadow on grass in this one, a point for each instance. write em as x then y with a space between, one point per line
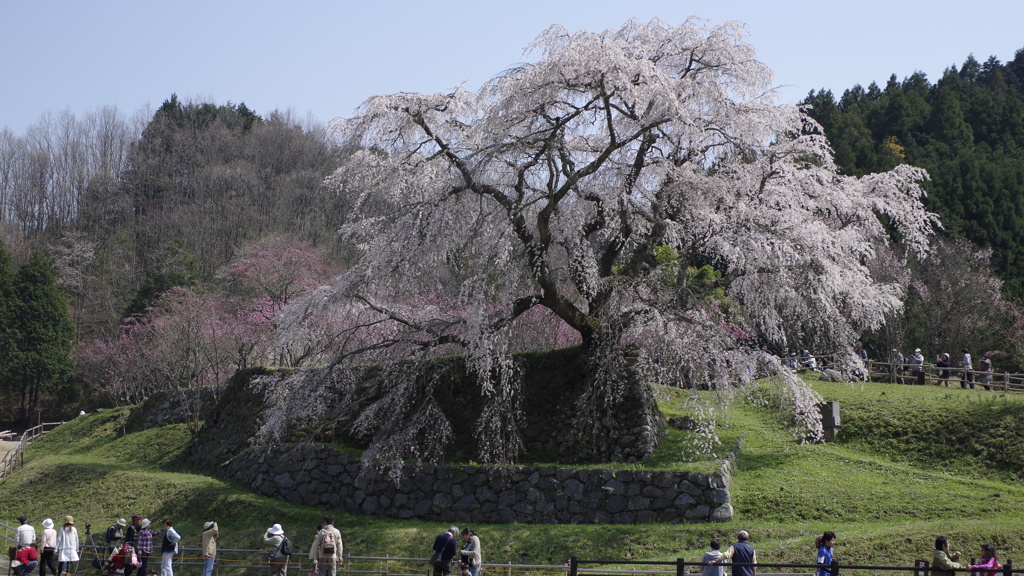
751 462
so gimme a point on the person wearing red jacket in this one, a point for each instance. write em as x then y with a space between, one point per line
121 558
27 559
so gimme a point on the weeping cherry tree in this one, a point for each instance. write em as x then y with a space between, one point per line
637 188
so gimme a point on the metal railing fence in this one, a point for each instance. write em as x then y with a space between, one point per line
679 567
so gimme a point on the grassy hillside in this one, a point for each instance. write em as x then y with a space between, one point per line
904 469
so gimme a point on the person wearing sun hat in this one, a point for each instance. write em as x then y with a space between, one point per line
144 545
48 544
209 546
67 546
278 561
115 534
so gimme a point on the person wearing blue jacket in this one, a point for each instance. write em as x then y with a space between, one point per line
825 545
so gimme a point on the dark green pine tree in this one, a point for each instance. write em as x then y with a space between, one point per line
6 329
42 362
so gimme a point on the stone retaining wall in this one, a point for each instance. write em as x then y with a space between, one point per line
318 475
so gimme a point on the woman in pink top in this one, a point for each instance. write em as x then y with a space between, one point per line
987 564
48 544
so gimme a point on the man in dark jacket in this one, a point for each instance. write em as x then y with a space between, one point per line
740 553
445 548
129 538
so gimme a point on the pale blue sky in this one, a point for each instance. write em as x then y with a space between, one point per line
323 58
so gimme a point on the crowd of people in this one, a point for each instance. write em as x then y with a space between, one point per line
744 558
911 367
914 366
129 547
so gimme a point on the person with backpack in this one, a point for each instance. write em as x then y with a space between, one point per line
326 549
115 535
280 550
825 543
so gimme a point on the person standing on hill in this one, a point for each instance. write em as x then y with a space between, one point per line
740 553
144 545
25 534
444 550
130 536
209 546
278 561
916 363
985 366
168 548
115 535
968 376
67 546
943 562
826 542
942 363
326 548
898 362
471 553
48 545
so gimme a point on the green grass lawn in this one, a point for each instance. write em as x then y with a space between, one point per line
910 463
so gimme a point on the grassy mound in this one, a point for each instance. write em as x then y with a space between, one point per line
886 493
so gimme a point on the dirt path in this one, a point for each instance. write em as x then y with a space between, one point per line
6 446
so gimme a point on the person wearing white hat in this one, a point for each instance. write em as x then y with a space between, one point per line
277 560
916 363
48 544
144 545
209 546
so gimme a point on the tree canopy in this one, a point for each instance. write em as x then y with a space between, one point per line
639 187
966 129
42 360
